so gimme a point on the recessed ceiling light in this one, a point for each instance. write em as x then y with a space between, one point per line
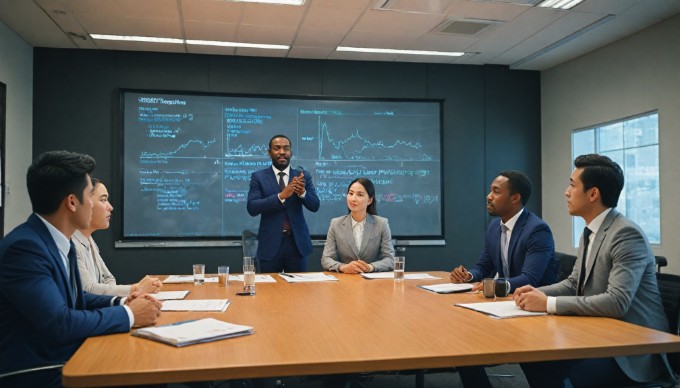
560 4
136 38
394 51
281 2
237 44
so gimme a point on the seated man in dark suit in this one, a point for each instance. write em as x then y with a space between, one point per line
614 276
45 313
518 246
528 256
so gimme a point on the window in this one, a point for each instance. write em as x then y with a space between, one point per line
633 143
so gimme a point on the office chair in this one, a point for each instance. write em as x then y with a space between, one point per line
565 265
660 262
669 287
5 376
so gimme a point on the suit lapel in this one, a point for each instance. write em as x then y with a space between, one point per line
348 234
45 235
597 243
368 231
272 180
514 237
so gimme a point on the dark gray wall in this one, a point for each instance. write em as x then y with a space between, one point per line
491 123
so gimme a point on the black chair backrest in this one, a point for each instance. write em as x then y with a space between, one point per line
660 262
565 265
669 287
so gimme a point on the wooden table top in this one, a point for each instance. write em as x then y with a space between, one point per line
352 325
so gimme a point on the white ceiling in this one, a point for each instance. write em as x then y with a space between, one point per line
314 30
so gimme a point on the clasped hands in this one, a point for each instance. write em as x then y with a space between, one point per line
530 299
356 266
147 285
295 186
145 308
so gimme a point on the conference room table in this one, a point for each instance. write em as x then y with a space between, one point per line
348 326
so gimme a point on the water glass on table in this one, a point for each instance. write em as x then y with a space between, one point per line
223 275
399 266
199 274
249 274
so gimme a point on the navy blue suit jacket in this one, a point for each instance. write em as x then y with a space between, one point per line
531 253
263 200
41 322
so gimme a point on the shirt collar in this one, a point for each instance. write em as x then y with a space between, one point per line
596 223
285 170
81 239
511 222
354 223
63 243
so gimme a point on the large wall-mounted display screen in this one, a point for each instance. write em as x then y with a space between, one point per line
188 157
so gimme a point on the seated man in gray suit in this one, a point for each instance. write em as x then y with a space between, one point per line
613 277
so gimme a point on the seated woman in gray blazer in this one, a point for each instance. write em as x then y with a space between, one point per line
94 275
360 241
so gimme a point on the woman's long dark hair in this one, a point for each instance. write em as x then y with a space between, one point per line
370 190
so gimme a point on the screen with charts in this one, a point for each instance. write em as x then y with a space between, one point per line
188 158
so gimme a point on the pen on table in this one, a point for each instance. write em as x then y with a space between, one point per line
286 274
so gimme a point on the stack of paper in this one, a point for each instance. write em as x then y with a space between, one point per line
196 305
167 295
504 309
447 288
390 275
258 278
193 332
186 279
307 277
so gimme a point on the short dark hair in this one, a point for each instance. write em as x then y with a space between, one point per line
601 172
519 183
370 190
95 181
54 175
276 137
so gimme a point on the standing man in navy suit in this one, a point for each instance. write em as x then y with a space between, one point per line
45 313
277 194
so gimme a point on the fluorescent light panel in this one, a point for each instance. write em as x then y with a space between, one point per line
152 39
283 2
394 51
560 4
126 38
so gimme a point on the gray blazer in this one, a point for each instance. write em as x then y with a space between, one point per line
376 244
105 283
620 283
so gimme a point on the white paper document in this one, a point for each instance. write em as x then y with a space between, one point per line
196 305
193 332
307 277
390 275
167 295
504 309
187 279
447 288
258 278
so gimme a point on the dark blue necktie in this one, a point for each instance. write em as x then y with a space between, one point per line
72 262
582 275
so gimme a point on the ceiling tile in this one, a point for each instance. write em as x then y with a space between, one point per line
319 38
265 35
360 4
210 31
331 18
253 52
117 25
129 8
377 40
212 11
272 15
398 22
210 50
